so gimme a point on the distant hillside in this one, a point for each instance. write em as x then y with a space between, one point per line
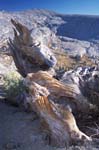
75 34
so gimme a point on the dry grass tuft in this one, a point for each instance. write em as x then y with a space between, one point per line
67 62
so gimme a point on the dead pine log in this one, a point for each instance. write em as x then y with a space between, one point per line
46 94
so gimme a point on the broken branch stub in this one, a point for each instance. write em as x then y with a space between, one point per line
19 46
24 33
28 56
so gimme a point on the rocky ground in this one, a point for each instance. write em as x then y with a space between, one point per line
75 34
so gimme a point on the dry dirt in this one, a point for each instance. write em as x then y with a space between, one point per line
19 130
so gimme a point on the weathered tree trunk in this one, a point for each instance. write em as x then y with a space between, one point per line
52 100
58 120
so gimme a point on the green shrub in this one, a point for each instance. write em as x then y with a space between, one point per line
13 85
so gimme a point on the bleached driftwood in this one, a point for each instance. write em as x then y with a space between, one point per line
53 101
